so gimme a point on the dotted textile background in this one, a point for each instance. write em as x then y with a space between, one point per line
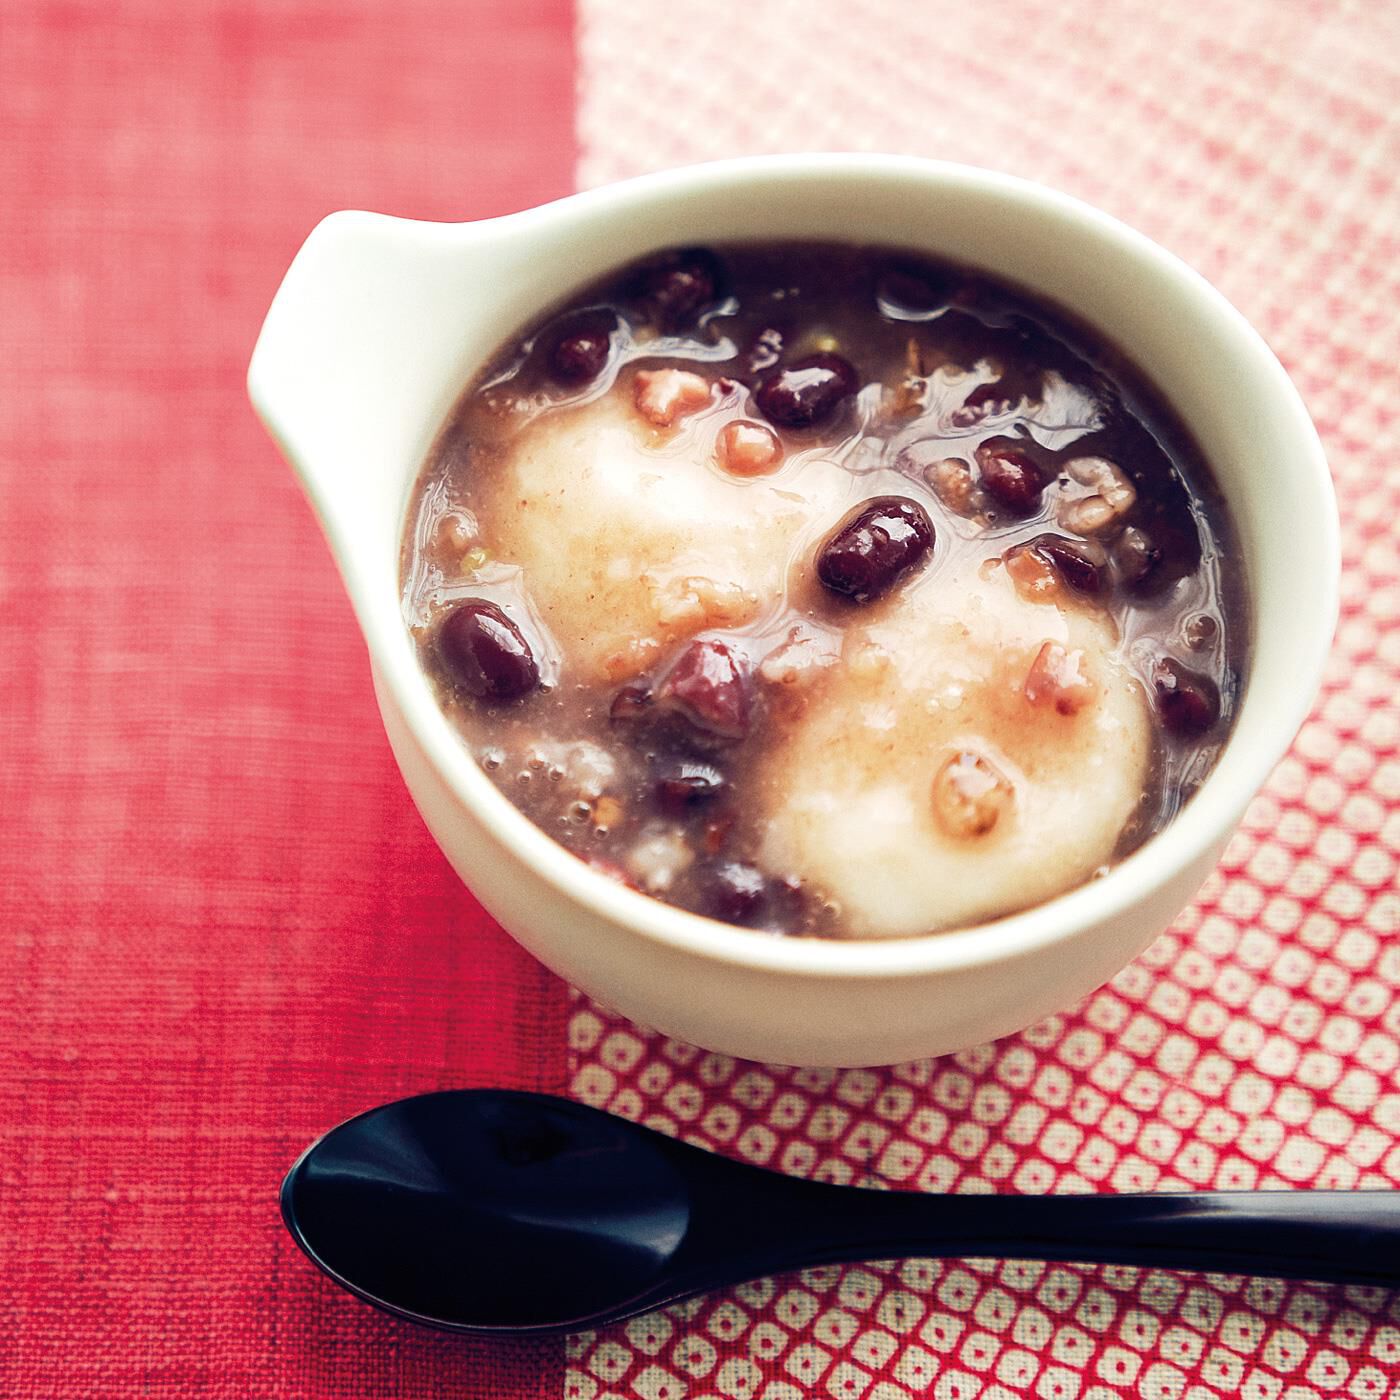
1256 1044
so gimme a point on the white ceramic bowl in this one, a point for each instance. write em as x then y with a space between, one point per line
379 324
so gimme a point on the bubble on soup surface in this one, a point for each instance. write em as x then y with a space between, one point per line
847 784
629 548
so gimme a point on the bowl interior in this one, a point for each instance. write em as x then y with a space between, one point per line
471 286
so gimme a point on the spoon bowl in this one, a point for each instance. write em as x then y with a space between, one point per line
500 1209
493 1210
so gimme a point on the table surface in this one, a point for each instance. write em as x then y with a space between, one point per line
223 927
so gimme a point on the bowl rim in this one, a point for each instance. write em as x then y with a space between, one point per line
1214 810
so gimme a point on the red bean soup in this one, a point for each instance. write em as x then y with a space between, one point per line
826 590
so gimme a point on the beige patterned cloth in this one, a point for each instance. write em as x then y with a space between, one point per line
1257 1042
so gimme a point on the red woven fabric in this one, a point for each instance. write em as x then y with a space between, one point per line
222 926
1257 1043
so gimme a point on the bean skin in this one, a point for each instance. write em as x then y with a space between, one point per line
1187 701
1073 562
686 783
808 391
737 893
1011 479
874 547
582 349
676 288
709 686
485 652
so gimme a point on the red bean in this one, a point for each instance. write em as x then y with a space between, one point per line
1187 701
1149 559
808 391
709 686
736 893
676 287
582 349
874 547
971 795
1074 562
485 653
1136 558
1011 478
630 705
686 783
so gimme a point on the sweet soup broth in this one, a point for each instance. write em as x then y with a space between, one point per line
826 590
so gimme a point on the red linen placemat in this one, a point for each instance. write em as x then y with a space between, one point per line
222 925
1257 1043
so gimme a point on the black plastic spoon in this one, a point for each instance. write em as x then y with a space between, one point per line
489 1210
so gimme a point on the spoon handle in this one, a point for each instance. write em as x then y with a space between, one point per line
1343 1236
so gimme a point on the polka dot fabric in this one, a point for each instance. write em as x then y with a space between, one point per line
1257 1043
